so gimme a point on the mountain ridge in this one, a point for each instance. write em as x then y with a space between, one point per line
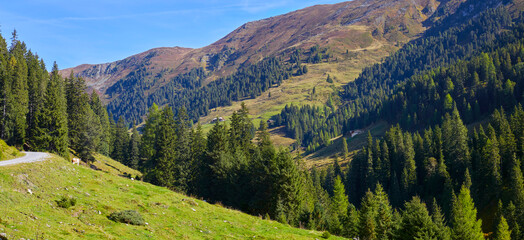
340 27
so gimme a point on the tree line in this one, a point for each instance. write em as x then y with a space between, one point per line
44 112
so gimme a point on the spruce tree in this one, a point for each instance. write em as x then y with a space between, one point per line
164 170
339 201
455 146
17 103
120 141
384 218
368 212
134 151
416 222
503 232
37 80
464 218
51 130
183 161
443 231
104 145
148 143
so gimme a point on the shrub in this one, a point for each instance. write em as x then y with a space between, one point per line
326 235
66 202
127 216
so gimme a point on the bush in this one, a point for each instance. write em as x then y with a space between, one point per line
66 202
127 216
326 235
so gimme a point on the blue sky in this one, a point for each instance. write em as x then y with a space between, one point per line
99 31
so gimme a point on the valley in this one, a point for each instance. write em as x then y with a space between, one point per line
367 119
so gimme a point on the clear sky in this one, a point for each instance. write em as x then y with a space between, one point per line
97 31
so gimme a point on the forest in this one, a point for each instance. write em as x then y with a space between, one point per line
478 74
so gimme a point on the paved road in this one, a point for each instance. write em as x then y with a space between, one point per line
29 157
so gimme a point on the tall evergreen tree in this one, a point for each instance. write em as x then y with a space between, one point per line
51 130
455 146
134 151
416 222
17 103
120 141
104 145
464 217
503 232
149 137
183 161
163 172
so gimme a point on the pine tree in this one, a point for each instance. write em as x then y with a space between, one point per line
51 131
339 201
76 108
89 131
345 151
164 171
289 184
134 151
464 218
37 82
120 142
384 218
416 222
367 215
455 145
198 150
17 103
443 231
503 232
148 143
104 146
183 161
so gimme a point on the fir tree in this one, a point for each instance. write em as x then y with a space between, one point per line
134 151
416 222
464 218
51 130
503 232
164 171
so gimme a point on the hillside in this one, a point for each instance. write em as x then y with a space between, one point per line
342 29
28 195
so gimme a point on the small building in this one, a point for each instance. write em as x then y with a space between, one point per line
354 133
220 119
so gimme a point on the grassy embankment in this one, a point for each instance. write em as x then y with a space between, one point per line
7 152
28 208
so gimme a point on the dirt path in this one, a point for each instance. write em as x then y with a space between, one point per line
28 158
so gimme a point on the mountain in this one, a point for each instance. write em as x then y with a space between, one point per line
341 27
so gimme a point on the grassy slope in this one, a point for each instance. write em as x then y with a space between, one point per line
169 215
298 90
326 156
7 152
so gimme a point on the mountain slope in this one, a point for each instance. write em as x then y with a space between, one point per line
340 27
27 202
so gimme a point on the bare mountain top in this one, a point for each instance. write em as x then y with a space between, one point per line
340 27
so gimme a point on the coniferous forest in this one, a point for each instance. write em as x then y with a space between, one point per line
450 167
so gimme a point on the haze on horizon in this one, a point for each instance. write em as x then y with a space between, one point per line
104 31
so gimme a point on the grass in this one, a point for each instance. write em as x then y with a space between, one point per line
168 215
326 156
7 152
113 167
